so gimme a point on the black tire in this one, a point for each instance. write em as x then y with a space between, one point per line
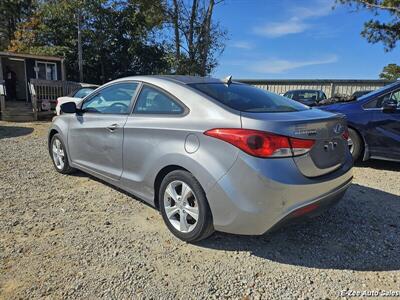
66 169
204 226
358 144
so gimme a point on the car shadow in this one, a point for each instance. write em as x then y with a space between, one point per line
379 164
79 173
14 131
361 233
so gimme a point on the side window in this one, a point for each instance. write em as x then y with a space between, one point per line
377 102
396 97
153 101
115 99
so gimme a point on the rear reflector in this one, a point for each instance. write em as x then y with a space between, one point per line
260 143
345 134
305 210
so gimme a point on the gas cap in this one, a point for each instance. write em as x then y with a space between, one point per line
192 143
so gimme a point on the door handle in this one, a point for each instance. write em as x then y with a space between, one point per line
112 127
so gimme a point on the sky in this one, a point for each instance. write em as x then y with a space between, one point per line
298 39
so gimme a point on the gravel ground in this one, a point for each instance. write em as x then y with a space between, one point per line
76 237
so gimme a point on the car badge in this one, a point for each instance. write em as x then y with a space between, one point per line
338 128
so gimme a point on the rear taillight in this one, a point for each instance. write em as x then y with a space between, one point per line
301 146
260 143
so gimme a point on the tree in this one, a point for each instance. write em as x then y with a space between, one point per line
118 37
386 32
198 41
13 12
390 72
123 37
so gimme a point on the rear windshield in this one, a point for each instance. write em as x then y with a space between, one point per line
246 98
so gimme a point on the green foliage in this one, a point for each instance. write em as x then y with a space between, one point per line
119 38
13 12
390 72
375 31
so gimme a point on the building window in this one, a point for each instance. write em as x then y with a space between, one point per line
46 70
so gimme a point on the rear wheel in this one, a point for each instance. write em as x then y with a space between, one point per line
184 207
59 155
355 144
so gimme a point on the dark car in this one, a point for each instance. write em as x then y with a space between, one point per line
374 123
307 97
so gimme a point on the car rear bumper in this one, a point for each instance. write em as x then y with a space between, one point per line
256 195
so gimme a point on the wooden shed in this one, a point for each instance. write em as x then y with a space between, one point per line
18 74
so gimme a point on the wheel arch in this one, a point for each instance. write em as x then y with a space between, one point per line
159 178
52 132
364 151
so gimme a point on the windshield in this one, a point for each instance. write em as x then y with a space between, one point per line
304 95
247 98
378 91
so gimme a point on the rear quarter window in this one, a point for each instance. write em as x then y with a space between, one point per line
247 98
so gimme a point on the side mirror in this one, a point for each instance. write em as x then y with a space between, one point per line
68 107
389 106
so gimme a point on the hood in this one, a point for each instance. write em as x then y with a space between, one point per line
336 107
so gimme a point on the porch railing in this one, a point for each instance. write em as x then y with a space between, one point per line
2 96
48 90
52 89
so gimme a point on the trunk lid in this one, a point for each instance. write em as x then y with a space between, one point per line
329 150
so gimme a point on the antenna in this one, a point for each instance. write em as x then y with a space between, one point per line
227 80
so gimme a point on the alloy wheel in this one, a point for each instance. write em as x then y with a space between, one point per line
181 206
350 144
58 154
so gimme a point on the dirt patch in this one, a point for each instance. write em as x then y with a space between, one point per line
76 237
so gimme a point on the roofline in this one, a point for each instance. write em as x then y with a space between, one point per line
265 81
24 55
177 79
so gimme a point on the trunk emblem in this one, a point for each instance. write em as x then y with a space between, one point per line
302 131
338 128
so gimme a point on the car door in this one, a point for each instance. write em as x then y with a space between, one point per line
153 127
384 140
96 133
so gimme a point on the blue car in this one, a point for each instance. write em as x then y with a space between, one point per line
374 123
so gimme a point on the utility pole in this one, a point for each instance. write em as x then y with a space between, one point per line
80 60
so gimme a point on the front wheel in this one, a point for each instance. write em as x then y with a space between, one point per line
59 155
184 207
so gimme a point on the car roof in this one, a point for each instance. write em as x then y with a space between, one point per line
182 79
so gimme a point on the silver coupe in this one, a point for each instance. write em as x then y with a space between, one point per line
209 154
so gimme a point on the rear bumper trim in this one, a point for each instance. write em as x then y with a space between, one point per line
324 202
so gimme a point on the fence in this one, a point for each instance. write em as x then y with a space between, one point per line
52 89
329 87
48 90
2 96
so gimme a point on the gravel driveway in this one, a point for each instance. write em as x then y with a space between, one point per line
77 237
